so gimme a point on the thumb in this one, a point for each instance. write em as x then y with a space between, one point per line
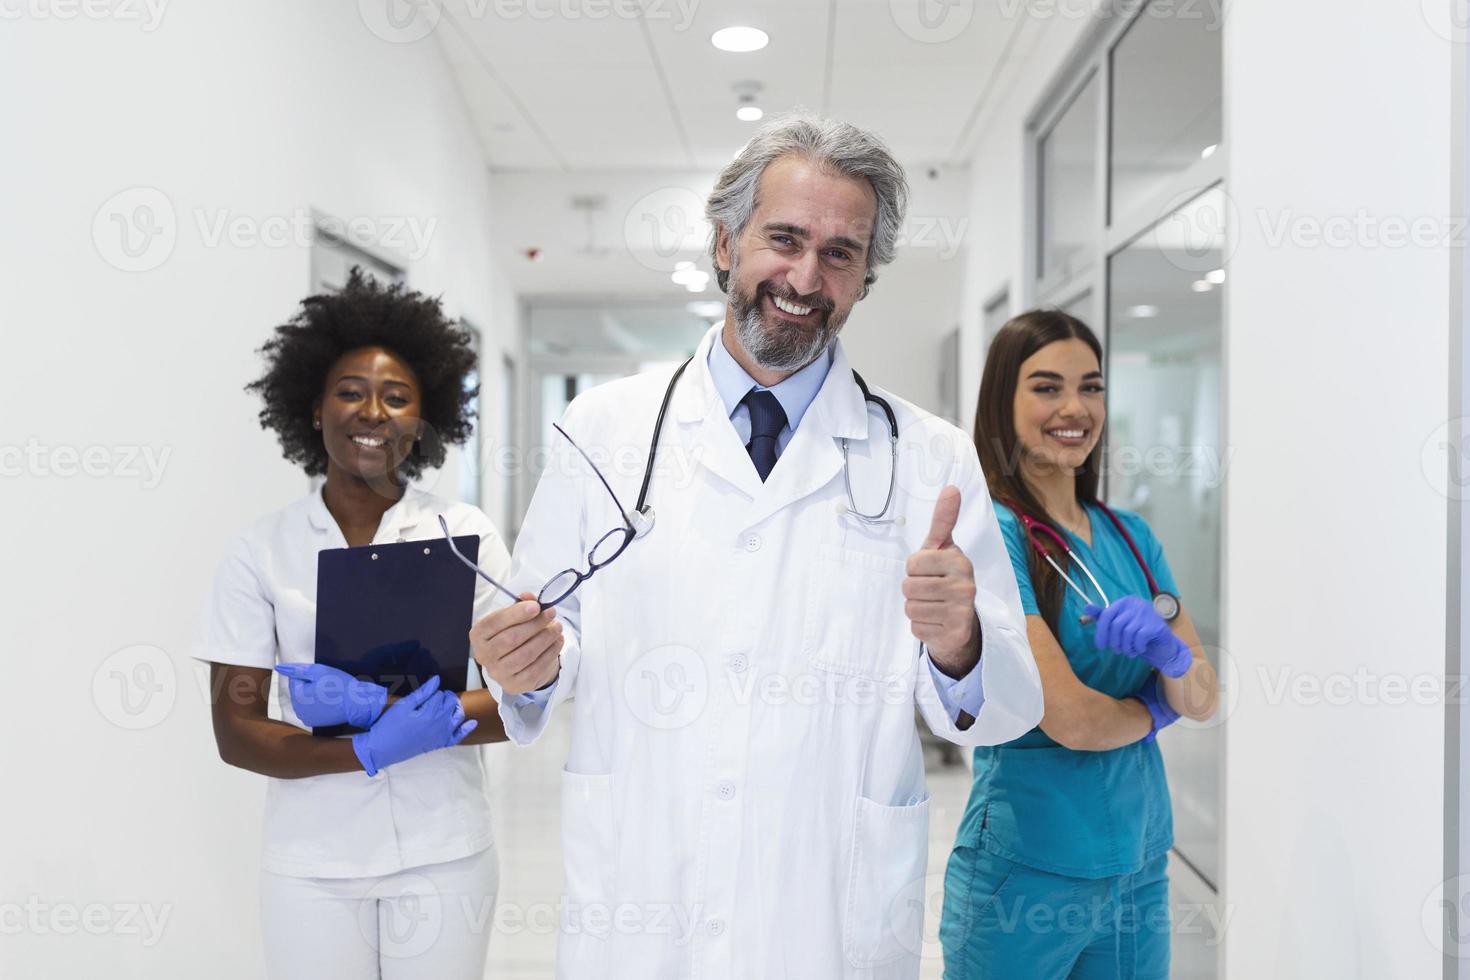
299 671
421 693
946 513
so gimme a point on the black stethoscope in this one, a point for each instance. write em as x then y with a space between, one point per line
1166 604
643 513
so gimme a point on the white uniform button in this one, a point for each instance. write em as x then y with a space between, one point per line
738 663
752 542
716 926
725 790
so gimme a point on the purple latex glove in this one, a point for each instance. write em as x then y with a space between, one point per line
1131 627
1152 696
424 720
322 696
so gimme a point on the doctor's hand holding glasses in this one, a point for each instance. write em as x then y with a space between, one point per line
521 644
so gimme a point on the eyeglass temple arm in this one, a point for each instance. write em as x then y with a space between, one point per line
621 509
473 567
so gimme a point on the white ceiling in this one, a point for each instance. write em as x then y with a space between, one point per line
583 84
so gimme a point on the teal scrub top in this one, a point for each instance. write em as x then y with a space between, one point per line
1082 814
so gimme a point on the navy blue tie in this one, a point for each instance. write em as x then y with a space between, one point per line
767 419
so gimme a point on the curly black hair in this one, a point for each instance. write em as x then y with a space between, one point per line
365 313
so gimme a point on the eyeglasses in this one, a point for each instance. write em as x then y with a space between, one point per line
564 583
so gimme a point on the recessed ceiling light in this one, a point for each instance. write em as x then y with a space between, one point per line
1142 311
1217 276
739 39
749 113
1202 285
708 309
1208 151
681 266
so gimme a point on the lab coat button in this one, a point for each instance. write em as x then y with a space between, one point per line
726 790
738 663
753 542
716 926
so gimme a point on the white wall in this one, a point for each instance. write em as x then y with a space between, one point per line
261 110
1336 372
1335 540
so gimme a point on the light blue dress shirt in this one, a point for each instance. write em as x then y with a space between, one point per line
796 394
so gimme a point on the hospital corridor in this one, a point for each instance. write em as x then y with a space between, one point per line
735 489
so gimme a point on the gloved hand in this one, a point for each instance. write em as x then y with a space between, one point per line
424 720
323 695
1152 696
1131 627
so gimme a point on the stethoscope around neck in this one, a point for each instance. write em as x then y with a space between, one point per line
643 515
1166 604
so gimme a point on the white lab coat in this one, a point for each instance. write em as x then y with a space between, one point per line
744 795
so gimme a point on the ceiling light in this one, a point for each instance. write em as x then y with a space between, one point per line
1217 277
749 113
707 309
1142 311
1208 151
681 266
1202 285
739 39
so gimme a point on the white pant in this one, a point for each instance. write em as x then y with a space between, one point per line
431 921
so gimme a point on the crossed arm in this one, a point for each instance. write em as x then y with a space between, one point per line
249 739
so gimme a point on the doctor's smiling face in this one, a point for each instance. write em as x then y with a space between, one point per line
368 414
1059 407
798 265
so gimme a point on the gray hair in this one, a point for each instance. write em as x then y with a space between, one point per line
838 147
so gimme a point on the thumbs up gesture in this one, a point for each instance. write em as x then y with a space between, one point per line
940 593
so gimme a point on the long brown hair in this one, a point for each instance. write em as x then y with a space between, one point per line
1000 451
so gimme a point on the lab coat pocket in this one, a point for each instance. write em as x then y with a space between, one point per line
588 841
854 622
886 887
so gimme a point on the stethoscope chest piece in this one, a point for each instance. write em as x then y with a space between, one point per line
1166 604
642 520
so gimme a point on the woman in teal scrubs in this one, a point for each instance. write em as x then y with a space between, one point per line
1058 870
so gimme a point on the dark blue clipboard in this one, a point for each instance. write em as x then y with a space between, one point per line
396 614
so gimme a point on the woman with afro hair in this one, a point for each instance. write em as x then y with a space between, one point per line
377 857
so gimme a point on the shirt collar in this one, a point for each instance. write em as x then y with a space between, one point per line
795 393
397 520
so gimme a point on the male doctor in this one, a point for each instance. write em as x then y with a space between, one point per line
744 796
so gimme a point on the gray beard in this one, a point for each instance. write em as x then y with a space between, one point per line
778 346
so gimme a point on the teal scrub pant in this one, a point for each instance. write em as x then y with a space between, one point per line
1005 921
